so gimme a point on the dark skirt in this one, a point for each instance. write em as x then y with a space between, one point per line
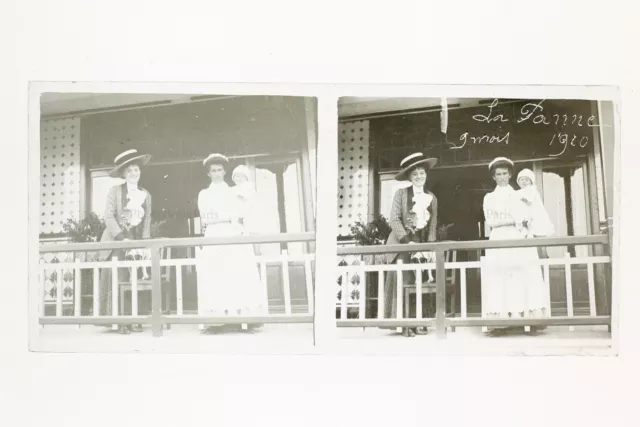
391 297
106 306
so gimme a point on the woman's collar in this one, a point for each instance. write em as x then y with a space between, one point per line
506 188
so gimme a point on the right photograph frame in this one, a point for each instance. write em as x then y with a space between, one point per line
476 225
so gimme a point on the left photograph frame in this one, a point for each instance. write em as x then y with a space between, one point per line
171 218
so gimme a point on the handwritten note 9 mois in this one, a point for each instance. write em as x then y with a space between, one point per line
562 129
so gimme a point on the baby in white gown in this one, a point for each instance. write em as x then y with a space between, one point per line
244 192
536 217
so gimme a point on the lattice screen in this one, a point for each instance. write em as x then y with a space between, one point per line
354 288
353 174
56 280
59 173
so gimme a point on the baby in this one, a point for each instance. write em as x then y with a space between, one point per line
536 217
244 192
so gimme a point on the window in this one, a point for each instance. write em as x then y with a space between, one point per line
279 196
101 183
565 198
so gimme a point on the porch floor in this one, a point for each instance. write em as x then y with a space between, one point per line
271 338
471 341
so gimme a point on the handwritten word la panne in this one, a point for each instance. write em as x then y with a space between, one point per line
534 112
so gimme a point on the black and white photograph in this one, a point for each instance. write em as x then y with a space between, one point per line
182 220
485 223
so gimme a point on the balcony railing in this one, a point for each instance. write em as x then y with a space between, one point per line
70 273
353 283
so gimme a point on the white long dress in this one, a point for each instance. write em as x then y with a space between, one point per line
228 277
510 286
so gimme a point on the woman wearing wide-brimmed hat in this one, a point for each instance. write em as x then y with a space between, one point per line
127 217
413 219
229 281
512 285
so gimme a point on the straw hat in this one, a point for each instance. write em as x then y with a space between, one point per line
412 161
215 158
126 158
500 162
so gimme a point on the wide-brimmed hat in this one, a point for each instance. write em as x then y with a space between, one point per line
126 158
215 158
415 159
501 162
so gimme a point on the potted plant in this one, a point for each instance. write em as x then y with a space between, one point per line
374 233
88 229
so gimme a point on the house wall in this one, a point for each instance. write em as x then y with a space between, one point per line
234 126
60 168
354 171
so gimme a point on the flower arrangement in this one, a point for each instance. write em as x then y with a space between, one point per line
375 232
89 229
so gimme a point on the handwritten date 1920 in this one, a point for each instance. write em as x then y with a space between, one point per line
567 140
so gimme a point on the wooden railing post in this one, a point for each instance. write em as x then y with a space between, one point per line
156 292
441 329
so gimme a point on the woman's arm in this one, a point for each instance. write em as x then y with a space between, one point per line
395 220
433 221
146 221
110 213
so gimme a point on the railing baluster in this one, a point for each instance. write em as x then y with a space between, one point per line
96 291
547 284
263 278
380 295
344 295
115 289
362 301
59 290
568 286
179 302
463 292
309 281
592 290
156 292
418 293
77 290
286 285
43 293
399 292
483 291
134 291
441 329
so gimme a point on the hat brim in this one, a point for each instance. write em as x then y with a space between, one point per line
501 164
215 161
427 164
142 160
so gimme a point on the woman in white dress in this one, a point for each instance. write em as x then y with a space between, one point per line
512 285
229 282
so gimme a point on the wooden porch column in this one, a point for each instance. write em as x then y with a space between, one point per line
608 150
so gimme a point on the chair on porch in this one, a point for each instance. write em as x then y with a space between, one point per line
430 288
146 284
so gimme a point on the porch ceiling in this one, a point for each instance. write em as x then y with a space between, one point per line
52 103
356 106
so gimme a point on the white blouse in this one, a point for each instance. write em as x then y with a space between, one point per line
216 201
